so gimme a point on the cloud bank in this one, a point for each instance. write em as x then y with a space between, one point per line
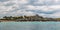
47 8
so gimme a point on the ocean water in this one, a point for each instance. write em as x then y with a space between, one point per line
29 25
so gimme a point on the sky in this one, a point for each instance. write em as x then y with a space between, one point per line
46 8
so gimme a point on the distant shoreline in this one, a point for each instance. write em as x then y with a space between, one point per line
27 18
26 21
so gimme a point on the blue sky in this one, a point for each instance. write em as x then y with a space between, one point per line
46 8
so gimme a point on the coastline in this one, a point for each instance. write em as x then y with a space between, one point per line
27 21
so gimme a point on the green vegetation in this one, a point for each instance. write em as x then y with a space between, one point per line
27 18
57 19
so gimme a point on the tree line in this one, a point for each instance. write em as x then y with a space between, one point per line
27 18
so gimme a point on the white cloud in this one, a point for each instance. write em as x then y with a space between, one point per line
43 8
47 2
19 7
55 15
24 13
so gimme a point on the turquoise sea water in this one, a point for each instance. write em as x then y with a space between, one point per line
30 26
